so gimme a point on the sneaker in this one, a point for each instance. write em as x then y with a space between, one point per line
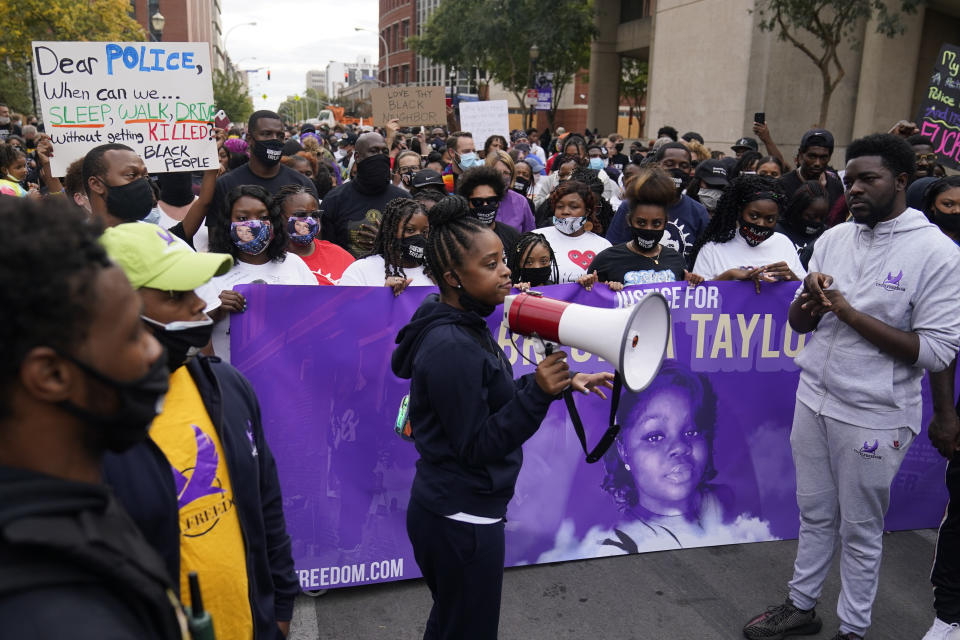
783 621
847 636
943 631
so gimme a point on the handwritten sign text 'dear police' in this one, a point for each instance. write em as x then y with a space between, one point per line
155 97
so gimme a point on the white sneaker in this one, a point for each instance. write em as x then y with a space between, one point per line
943 631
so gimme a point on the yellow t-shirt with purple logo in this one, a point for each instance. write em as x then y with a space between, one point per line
211 542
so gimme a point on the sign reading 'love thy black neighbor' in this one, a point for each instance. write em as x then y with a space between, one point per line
939 117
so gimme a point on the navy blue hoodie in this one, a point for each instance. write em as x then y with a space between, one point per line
468 415
144 485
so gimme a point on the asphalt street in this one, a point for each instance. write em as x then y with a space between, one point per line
693 594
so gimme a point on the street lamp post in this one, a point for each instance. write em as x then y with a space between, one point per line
386 52
231 29
534 54
156 26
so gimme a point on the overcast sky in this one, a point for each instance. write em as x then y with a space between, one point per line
292 37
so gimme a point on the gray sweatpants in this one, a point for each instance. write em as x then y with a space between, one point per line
843 487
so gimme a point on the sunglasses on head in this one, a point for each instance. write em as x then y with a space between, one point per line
476 203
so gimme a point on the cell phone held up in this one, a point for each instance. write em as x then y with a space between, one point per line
760 117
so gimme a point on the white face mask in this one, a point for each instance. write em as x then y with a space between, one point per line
710 197
569 226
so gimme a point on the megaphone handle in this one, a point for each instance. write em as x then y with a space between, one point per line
612 430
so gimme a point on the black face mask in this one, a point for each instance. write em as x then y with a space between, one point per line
618 146
521 185
414 247
469 303
268 152
753 233
130 202
183 340
139 403
486 213
947 221
536 276
646 239
810 230
373 174
680 179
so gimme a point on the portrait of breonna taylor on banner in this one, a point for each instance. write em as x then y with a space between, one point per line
660 473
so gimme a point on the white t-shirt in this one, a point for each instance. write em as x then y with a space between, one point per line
293 270
201 239
574 254
368 272
715 258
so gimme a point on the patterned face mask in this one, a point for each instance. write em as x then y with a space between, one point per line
251 236
569 226
302 229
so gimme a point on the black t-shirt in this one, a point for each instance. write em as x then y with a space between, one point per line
620 264
619 161
792 181
508 236
243 175
345 209
8 130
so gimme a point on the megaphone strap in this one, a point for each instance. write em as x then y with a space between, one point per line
609 435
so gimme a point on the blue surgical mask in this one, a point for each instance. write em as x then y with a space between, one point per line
153 217
596 164
468 160
261 231
569 226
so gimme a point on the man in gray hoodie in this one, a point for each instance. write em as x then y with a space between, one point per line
883 295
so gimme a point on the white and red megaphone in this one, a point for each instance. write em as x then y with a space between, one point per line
634 340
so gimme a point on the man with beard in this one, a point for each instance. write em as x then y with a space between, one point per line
265 135
926 158
352 211
887 310
816 148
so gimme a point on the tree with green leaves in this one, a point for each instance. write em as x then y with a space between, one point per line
634 77
818 27
496 35
230 94
24 21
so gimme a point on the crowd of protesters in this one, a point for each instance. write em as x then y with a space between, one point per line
118 287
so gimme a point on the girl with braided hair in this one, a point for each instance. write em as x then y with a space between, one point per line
532 262
397 257
300 210
469 418
740 242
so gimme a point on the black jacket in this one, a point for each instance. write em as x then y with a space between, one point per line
73 565
144 484
468 415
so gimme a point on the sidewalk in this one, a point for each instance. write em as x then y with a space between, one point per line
693 594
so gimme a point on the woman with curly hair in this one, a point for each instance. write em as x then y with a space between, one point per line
740 242
571 234
396 259
256 237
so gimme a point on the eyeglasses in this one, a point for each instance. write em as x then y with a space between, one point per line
927 157
478 203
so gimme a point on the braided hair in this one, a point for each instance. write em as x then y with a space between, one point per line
452 232
286 192
723 224
396 215
525 244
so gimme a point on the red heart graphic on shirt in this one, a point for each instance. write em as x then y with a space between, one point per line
582 259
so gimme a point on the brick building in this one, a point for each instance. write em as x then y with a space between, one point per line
185 21
398 21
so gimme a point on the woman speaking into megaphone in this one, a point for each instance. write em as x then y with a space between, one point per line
469 418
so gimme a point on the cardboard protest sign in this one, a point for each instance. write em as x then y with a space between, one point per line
410 105
155 97
939 117
484 119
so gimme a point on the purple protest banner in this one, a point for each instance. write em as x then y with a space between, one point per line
319 359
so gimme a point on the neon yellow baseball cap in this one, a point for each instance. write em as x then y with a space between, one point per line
153 257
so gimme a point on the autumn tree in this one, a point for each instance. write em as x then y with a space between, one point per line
818 28
24 21
496 36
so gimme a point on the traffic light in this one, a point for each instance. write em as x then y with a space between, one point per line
268 74
346 77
